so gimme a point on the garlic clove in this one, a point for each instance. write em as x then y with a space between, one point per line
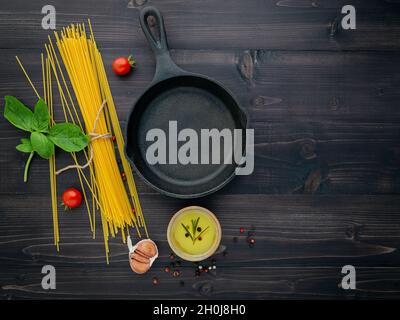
147 248
138 263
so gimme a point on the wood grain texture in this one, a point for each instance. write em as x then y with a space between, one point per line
325 190
265 24
302 243
333 112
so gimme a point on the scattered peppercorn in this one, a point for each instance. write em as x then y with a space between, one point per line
252 241
187 235
154 280
199 238
167 269
198 229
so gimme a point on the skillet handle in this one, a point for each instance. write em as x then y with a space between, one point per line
166 67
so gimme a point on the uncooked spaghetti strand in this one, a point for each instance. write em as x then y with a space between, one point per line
51 160
73 155
49 101
27 77
50 87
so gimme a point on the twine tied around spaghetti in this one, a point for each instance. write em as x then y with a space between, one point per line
92 137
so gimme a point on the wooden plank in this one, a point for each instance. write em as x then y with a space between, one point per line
333 113
301 244
270 283
347 165
271 85
271 24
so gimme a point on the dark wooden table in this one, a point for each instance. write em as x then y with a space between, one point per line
325 191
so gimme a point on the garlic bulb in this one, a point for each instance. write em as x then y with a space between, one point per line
142 255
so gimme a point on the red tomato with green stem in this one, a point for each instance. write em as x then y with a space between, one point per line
71 198
123 65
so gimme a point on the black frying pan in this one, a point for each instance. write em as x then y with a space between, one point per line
195 102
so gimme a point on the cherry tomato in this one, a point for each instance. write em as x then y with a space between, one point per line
123 65
71 198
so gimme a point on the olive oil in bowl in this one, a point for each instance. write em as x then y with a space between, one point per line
194 233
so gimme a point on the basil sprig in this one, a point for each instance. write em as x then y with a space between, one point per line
43 137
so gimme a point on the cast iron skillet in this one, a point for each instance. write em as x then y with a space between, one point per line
195 102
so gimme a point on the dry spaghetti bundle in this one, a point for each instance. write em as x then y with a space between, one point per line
85 69
83 66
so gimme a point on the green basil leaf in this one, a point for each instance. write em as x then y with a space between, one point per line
41 117
25 146
42 145
18 114
68 137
